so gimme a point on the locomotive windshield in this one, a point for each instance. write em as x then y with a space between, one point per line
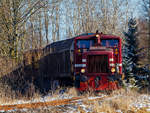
110 42
85 43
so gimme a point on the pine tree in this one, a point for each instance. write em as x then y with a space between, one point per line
131 56
130 49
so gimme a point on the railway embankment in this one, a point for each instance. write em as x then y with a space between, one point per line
120 101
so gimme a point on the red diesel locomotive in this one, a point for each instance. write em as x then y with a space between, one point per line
94 60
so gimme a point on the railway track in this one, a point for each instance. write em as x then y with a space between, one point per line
50 103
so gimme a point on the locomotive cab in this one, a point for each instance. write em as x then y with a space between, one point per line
97 62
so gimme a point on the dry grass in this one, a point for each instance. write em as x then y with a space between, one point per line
118 101
6 66
9 96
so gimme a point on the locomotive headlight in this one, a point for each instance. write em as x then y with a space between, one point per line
79 50
82 70
113 70
97 35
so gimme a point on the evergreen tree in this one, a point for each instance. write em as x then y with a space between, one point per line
131 56
130 49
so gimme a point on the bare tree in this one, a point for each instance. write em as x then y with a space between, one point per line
105 15
14 14
17 17
40 30
146 19
46 22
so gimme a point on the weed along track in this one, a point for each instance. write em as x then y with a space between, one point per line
50 103
38 104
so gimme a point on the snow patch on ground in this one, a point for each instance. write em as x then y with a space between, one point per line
148 110
93 98
142 101
119 111
46 98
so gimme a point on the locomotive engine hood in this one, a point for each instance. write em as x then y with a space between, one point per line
98 61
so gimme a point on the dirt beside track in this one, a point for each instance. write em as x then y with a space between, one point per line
50 103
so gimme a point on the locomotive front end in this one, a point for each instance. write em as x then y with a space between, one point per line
96 63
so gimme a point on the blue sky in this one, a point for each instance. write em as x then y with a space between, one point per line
136 6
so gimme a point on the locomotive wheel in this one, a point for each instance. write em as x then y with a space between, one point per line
77 81
55 84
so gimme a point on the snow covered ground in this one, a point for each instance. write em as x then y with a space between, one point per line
117 102
46 98
143 101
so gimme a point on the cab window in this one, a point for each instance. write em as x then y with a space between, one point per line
82 44
110 42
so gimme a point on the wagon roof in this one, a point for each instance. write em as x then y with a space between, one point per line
62 45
